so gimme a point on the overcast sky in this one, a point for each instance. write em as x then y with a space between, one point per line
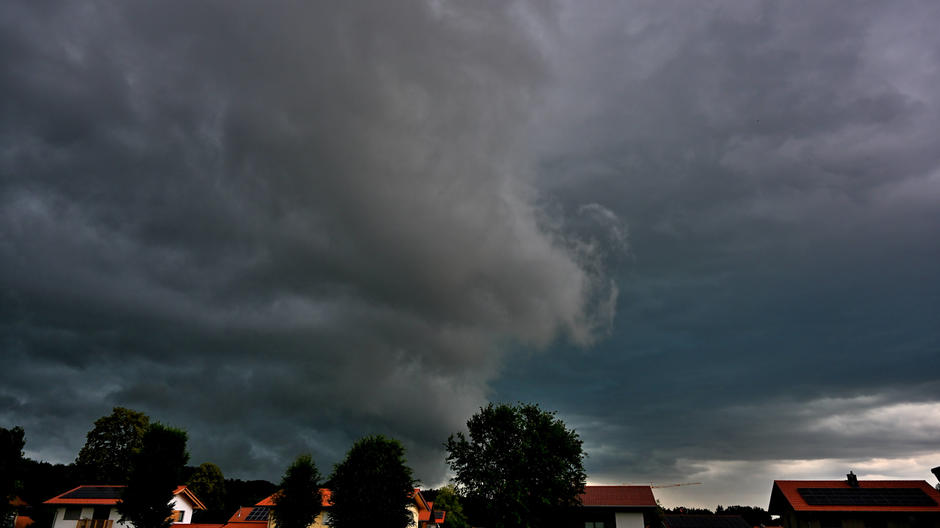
706 233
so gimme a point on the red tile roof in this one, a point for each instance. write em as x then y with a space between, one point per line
242 513
326 496
325 501
637 496
786 490
61 498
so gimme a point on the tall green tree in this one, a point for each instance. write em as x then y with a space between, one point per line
110 447
298 502
208 483
520 466
447 500
155 473
11 469
372 486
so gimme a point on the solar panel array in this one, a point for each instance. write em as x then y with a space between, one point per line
258 513
865 497
95 492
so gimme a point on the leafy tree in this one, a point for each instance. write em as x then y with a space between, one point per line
240 492
11 469
448 501
372 486
110 447
754 515
155 473
520 466
298 502
208 483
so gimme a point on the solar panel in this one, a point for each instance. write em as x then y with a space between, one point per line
95 492
258 513
865 497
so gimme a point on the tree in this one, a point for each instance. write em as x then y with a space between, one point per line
372 486
110 447
298 502
208 483
448 501
155 473
520 465
11 470
754 515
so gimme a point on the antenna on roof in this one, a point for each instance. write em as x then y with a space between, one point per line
852 479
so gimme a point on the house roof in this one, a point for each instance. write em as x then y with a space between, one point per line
870 496
633 496
184 491
109 495
251 516
325 499
705 521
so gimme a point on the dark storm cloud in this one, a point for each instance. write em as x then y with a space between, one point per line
777 167
285 226
280 227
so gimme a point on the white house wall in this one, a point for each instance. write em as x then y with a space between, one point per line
179 503
628 520
87 513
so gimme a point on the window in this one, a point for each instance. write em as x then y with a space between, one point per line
73 513
101 512
177 516
594 524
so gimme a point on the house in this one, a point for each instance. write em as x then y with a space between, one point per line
418 508
853 503
431 518
615 507
704 521
96 507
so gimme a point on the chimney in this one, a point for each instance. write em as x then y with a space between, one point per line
936 473
852 479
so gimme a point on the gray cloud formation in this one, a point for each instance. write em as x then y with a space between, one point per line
286 226
777 167
278 226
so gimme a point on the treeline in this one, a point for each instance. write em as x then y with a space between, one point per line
517 466
112 450
754 515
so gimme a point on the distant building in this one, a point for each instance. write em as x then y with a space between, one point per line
96 507
615 507
852 503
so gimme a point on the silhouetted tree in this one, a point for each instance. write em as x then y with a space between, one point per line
520 465
208 483
11 470
110 447
448 501
372 486
155 473
298 502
